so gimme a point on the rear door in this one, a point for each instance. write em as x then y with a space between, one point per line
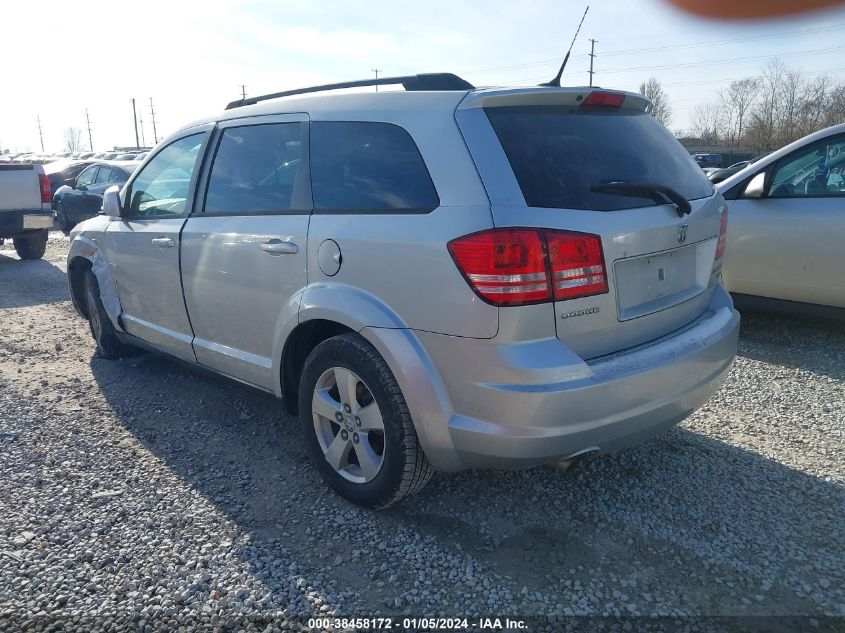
143 246
244 249
542 155
788 244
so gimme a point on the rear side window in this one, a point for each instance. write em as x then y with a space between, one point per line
362 166
255 169
558 153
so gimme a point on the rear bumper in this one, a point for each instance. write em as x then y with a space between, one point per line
547 411
14 223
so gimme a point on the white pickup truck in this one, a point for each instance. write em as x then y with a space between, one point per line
26 212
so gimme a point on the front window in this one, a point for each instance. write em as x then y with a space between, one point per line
161 188
817 170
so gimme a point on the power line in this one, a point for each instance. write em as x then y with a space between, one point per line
709 43
692 64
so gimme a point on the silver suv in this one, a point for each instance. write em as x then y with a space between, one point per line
438 278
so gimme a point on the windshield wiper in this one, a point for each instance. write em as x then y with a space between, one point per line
659 193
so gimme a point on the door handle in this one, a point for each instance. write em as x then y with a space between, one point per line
163 242
279 247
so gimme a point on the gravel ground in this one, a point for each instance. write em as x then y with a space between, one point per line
146 496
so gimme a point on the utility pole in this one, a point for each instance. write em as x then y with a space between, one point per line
376 71
141 121
90 142
592 56
243 91
40 132
135 121
153 115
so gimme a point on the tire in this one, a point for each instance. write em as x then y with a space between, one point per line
102 329
31 245
61 217
341 436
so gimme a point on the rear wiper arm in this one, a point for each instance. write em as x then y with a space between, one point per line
659 193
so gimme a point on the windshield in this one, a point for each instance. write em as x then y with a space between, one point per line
559 154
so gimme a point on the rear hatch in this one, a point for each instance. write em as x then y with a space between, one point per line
584 164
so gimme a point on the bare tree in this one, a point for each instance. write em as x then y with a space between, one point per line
705 122
835 110
73 139
736 103
764 118
660 108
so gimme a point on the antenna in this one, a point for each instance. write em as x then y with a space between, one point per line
555 83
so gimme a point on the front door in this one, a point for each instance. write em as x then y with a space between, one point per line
787 245
243 249
143 247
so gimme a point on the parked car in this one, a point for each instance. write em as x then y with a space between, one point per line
708 160
25 214
785 249
141 156
127 156
718 175
81 197
441 278
60 171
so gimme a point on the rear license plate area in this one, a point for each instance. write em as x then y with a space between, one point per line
649 283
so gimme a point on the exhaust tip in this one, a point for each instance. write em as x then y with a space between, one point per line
565 463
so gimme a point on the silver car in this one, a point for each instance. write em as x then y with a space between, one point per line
787 212
439 278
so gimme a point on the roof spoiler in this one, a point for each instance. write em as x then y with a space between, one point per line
429 81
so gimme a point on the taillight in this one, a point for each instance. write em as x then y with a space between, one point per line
519 266
723 234
44 184
577 264
603 100
504 266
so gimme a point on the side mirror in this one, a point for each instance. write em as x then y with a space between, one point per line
111 202
71 182
755 187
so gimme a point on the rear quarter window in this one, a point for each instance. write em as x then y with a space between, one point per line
558 153
368 167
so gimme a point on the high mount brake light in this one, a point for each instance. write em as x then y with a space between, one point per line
520 266
603 100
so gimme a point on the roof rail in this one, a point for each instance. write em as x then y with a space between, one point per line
428 81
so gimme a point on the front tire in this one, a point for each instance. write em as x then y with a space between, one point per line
108 345
31 245
61 218
357 426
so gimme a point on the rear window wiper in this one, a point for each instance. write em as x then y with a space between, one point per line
659 193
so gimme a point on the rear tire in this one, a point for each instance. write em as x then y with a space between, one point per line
31 245
108 345
347 370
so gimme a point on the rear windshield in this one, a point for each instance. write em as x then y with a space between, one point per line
558 153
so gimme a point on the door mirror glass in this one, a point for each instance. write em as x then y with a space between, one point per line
111 202
754 189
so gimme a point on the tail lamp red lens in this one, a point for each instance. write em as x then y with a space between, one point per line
44 185
519 266
723 234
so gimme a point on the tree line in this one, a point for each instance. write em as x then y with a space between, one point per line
761 113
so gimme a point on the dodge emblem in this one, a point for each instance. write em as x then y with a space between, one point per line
682 233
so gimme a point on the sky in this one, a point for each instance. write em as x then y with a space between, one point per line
61 58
